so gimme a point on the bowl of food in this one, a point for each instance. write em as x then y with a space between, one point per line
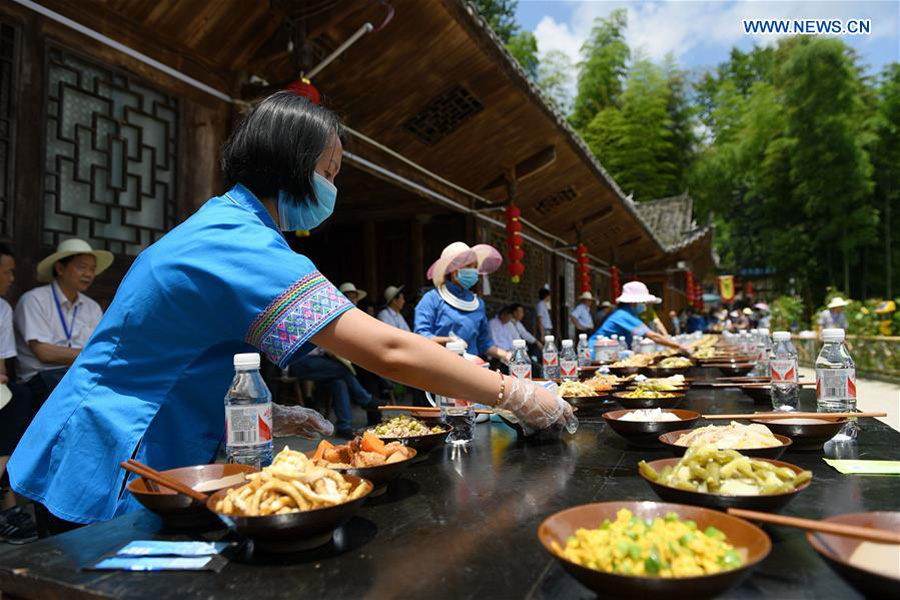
642 427
735 369
615 382
648 399
367 457
178 510
753 440
723 479
586 395
872 568
653 549
672 383
291 505
805 434
413 433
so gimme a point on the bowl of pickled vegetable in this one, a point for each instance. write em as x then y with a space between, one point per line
653 549
411 432
648 399
721 479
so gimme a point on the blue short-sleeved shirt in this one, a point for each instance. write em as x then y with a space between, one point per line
150 382
436 318
622 323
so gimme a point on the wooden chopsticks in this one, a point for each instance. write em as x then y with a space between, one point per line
793 415
863 533
428 409
153 475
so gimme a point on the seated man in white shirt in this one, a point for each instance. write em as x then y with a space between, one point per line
581 314
394 302
542 314
518 313
54 322
503 330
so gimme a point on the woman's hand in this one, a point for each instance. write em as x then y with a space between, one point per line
299 421
537 407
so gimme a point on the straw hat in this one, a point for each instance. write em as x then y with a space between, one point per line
459 254
747 311
391 292
69 248
347 287
635 292
586 296
838 302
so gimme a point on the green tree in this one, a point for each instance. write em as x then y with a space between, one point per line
554 77
886 159
602 71
523 46
500 15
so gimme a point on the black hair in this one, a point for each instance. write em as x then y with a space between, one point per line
277 145
63 261
515 306
506 310
543 294
6 251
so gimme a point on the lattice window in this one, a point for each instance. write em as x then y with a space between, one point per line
8 70
110 170
443 115
553 201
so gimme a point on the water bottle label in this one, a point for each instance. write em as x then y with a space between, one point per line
835 384
585 356
783 370
550 360
568 369
521 371
248 425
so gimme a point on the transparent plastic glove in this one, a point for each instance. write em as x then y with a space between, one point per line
536 407
299 421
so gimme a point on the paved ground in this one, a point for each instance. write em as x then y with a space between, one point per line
873 396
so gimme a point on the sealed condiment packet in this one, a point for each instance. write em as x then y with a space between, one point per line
170 548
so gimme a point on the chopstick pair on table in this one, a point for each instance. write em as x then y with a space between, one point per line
863 533
793 415
428 409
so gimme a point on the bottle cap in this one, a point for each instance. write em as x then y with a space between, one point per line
781 336
764 331
246 361
582 336
567 343
518 343
548 338
833 335
457 347
754 331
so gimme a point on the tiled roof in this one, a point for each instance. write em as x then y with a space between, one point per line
672 220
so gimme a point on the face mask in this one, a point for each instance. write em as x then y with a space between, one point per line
467 277
638 308
305 216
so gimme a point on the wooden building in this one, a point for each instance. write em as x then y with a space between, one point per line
113 113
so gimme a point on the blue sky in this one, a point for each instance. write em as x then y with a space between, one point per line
700 33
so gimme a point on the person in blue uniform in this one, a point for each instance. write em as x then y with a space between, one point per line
151 380
624 321
451 310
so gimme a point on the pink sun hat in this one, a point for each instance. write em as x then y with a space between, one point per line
459 254
635 292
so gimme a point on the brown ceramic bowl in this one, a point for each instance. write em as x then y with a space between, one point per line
293 531
760 394
648 402
735 369
423 444
742 535
806 434
768 503
625 371
774 453
176 509
591 404
380 476
837 550
656 371
644 433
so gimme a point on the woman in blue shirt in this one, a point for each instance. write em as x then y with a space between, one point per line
150 382
451 310
624 321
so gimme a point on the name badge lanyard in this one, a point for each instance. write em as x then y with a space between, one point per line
62 318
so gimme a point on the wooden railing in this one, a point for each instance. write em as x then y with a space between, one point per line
875 356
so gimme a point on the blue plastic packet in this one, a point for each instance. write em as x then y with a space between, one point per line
169 548
150 563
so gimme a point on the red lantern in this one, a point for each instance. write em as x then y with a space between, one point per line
513 239
514 226
689 287
304 87
512 213
514 242
614 284
516 253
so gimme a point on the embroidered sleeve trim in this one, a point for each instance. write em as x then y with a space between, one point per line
295 316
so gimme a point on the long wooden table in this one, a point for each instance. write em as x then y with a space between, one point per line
462 524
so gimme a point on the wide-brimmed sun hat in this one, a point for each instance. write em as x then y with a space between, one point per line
838 302
586 296
459 254
348 287
761 306
747 311
391 292
635 292
69 248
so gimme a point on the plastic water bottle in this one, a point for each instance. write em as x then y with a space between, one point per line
783 368
623 347
614 347
521 363
648 346
584 350
458 413
763 346
568 361
636 344
550 358
836 379
248 415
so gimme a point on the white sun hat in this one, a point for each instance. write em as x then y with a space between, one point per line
391 292
838 302
459 254
586 296
347 287
69 248
635 292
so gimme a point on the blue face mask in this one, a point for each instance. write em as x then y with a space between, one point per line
467 277
638 308
305 216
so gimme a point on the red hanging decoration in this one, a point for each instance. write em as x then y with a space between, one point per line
689 287
304 87
514 243
698 296
614 284
584 272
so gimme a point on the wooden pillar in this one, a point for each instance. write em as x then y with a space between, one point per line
371 264
555 293
417 258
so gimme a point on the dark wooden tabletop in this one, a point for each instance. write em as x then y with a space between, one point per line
462 524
